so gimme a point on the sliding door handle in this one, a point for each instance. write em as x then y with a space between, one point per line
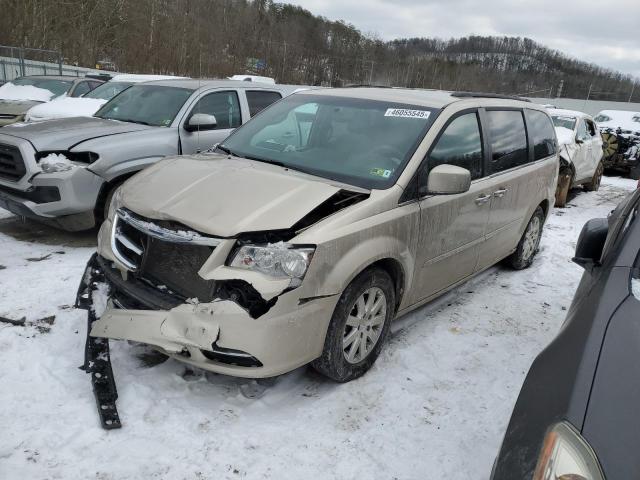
481 200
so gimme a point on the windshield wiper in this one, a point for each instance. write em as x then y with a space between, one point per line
264 160
225 150
129 120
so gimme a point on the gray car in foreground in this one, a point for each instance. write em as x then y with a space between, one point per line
577 414
63 172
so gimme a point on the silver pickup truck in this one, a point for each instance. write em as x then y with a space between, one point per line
64 172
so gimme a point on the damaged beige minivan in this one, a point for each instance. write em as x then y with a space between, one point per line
301 237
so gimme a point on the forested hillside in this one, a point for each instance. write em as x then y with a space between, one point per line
216 38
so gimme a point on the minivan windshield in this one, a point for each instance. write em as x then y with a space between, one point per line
154 105
362 142
108 90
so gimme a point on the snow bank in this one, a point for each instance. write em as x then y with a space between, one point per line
9 91
65 107
565 136
55 162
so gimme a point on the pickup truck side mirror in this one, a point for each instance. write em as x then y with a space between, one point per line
201 121
591 243
448 180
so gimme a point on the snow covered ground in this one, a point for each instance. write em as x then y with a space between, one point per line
434 406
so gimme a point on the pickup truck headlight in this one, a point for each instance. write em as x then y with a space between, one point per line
277 260
566 455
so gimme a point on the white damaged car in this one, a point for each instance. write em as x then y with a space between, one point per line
580 149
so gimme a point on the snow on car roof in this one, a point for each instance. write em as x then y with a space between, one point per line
559 112
135 78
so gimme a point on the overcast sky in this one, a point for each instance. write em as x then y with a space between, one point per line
605 33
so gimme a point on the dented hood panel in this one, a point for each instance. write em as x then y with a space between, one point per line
224 196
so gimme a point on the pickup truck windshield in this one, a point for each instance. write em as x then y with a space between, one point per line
146 104
362 142
108 90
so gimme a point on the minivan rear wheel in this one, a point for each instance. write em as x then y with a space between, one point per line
528 245
358 327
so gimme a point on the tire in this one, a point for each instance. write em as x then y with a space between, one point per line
565 180
528 244
351 320
594 184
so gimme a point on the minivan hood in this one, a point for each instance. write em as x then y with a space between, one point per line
63 133
224 196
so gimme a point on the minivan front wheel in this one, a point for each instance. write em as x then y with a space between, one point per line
529 242
359 326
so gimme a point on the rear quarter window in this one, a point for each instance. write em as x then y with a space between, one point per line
258 100
542 134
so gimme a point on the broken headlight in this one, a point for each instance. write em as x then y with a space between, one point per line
277 260
566 455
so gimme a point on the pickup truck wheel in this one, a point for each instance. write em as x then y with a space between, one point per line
359 326
528 245
565 180
594 184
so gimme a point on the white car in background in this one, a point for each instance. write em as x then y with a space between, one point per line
620 132
580 148
87 105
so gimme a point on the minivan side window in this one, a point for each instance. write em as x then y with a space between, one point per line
582 133
258 100
508 139
542 133
81 89
224 106
459 144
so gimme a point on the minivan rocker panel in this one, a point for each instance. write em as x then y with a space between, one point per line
215 205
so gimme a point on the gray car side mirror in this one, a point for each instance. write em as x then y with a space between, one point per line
591 243
201 121
448 180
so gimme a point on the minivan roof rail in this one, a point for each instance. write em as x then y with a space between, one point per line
487 95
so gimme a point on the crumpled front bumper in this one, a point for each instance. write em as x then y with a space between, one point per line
221 336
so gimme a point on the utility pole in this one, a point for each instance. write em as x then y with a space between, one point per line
560 89
284 58
371 72
633 87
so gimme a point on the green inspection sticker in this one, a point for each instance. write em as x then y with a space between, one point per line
380 172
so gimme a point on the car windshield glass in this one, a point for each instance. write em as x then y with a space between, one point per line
146 104
108 90
362 142
564 121
57 87
602 118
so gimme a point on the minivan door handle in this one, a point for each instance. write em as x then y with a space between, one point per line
500 193
483 199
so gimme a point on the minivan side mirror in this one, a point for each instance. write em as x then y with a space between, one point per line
591 243
201 121
448 180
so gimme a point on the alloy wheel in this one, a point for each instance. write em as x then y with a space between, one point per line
364 325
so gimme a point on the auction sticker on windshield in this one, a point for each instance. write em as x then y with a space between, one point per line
405 113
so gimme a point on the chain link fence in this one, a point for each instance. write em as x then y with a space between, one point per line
18 62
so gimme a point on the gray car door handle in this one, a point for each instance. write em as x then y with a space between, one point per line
483 199
500 193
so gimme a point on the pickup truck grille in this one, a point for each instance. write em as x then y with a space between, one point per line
157 257
11 163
